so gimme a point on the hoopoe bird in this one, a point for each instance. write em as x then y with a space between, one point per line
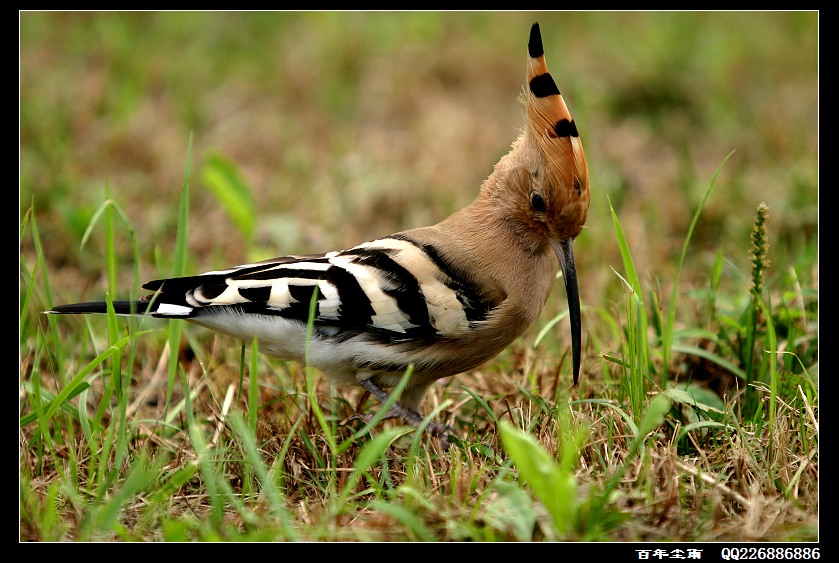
443 299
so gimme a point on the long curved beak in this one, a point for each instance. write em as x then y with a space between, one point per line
565 252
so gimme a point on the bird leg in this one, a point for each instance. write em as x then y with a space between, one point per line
412 417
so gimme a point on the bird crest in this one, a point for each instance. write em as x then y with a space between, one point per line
550 149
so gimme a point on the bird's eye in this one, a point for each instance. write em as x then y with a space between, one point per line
537 202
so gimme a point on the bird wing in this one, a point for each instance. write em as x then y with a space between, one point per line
392 286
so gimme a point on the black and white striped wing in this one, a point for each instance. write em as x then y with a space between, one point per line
392 287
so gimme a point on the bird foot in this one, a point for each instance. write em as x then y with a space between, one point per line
440 431
412 417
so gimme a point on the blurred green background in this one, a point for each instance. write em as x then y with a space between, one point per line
338 127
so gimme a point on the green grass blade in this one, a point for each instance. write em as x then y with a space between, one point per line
57 347
105 516
231 190
276 502
46 400
552 484
710 356
628 264
638 349
412 522
370 452
77 384
253 386
311 374
179 269
772 351
670 319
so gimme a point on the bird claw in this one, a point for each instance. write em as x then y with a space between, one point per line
440 431
365 418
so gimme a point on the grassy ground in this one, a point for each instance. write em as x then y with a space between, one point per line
696 418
